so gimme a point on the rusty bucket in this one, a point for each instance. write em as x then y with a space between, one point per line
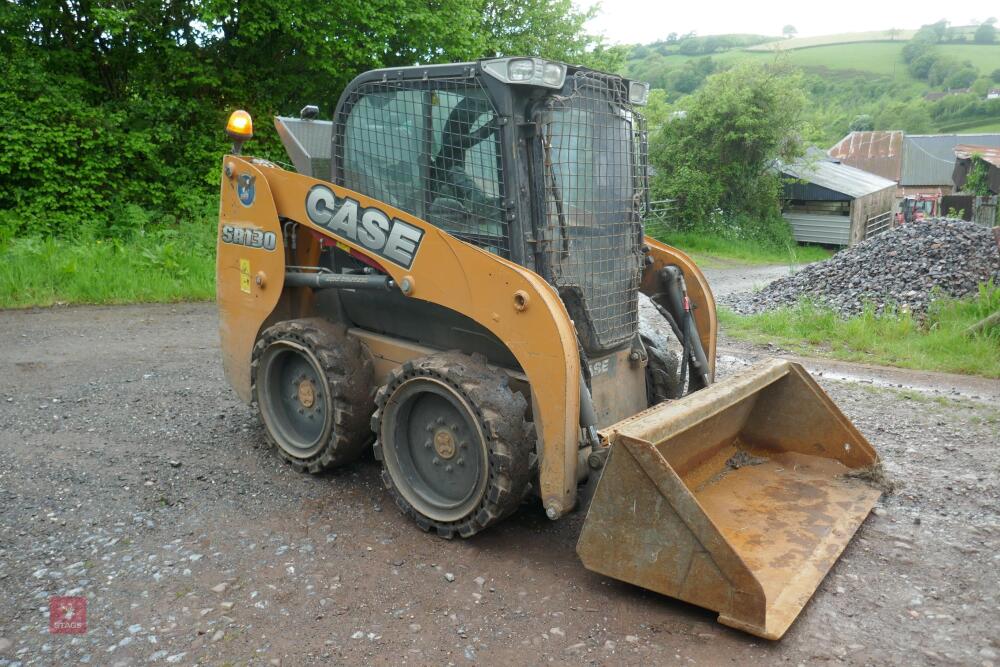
738 498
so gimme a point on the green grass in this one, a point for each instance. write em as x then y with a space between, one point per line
883 58
972 127
939 344
707 248
167 264
985 57
828 40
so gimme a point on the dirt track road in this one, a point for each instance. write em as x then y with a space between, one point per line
131 475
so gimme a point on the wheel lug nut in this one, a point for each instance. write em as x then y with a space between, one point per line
428 445
447 468
460 461
464 445
436 461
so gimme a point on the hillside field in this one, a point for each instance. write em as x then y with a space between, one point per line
883 58
843 38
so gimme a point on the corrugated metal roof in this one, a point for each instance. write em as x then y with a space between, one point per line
838 177
878 153
988 154
929 159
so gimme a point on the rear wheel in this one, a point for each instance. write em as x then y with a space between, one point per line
313 386
455 448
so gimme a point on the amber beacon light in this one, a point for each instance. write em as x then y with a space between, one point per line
239 128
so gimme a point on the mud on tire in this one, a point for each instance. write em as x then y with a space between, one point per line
499 414
344 382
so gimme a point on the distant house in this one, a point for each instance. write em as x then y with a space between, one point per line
827 202
918 163
993 94
934 96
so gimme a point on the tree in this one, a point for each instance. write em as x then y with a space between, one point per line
689 46
995 75
718 156
980 86
920 68
916 48
862 123
141 88
932 33
986 33
941 69
893 33
688 77
961 77
789 31
910 116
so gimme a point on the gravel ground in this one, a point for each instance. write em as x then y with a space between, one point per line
131 475
906 267
726 280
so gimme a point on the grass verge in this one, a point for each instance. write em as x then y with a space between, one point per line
706 247
941 343
174 263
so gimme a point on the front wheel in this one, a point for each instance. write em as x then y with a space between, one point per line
456 451
313 385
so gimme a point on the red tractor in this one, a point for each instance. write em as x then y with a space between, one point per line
918 207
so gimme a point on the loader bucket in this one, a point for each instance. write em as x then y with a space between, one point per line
736 498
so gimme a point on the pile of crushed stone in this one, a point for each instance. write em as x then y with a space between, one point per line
904 268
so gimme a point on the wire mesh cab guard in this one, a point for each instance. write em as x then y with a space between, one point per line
595 190
430 147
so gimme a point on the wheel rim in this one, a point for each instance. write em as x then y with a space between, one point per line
434 449
294 402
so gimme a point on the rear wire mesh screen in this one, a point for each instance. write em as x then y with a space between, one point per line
432 149
595 186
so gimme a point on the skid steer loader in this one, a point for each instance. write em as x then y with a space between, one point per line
454 273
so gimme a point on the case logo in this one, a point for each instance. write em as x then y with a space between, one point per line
245 189
390 238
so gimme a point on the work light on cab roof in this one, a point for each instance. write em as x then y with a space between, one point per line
239 128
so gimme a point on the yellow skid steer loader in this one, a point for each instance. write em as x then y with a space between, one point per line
456 271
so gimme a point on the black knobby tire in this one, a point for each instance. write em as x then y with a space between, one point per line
340 372
662 373
492 411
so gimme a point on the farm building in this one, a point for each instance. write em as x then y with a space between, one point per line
879 153
921 164
831 203
929 161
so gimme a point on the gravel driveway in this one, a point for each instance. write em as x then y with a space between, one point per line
131 475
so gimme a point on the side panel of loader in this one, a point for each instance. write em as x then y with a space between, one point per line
249 269
738 498
513 303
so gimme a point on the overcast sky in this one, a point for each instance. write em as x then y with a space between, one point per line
644 21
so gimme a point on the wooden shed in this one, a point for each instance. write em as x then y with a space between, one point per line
831 203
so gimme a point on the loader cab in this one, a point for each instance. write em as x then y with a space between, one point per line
539 162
